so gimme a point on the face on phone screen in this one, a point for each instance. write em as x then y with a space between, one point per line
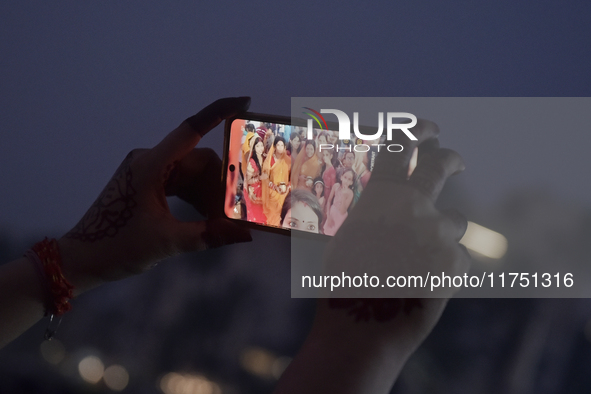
278 177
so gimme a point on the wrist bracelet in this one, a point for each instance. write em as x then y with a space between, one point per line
46 257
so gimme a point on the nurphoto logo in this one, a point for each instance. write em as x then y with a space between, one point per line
345 128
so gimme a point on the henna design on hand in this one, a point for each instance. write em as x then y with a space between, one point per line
112 210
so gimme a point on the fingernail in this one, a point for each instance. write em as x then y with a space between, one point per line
246 103
462 168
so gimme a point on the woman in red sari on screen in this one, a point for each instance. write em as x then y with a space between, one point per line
253 191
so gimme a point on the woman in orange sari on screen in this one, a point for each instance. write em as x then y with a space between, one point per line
306 167
275 181
253 192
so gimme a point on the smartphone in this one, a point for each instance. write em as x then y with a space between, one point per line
281 177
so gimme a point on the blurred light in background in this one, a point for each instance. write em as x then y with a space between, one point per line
263 363
483 241
91 369
116 377
176 383
52 351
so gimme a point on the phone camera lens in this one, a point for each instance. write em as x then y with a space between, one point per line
232 167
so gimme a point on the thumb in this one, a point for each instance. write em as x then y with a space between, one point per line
211 233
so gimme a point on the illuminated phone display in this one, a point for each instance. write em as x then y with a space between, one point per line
278 177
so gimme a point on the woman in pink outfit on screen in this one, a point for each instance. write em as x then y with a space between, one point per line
339 201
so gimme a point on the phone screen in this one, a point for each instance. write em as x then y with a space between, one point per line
281 176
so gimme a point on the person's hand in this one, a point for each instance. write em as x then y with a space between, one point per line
360 344
397 231
129 227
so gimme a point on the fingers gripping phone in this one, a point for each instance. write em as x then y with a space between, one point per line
281 176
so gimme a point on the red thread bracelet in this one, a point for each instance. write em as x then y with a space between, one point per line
60 291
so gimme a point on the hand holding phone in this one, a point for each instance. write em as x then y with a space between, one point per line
394 232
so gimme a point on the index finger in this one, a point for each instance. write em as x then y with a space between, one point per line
394 165
179 142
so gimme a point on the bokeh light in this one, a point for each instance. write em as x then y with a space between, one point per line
116 377
91 369
484 241
177 383
263 363
52 351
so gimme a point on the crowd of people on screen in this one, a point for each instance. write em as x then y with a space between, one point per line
292 181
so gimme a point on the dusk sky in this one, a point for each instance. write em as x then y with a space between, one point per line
84 83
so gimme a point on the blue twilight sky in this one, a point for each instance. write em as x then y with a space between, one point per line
82 83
